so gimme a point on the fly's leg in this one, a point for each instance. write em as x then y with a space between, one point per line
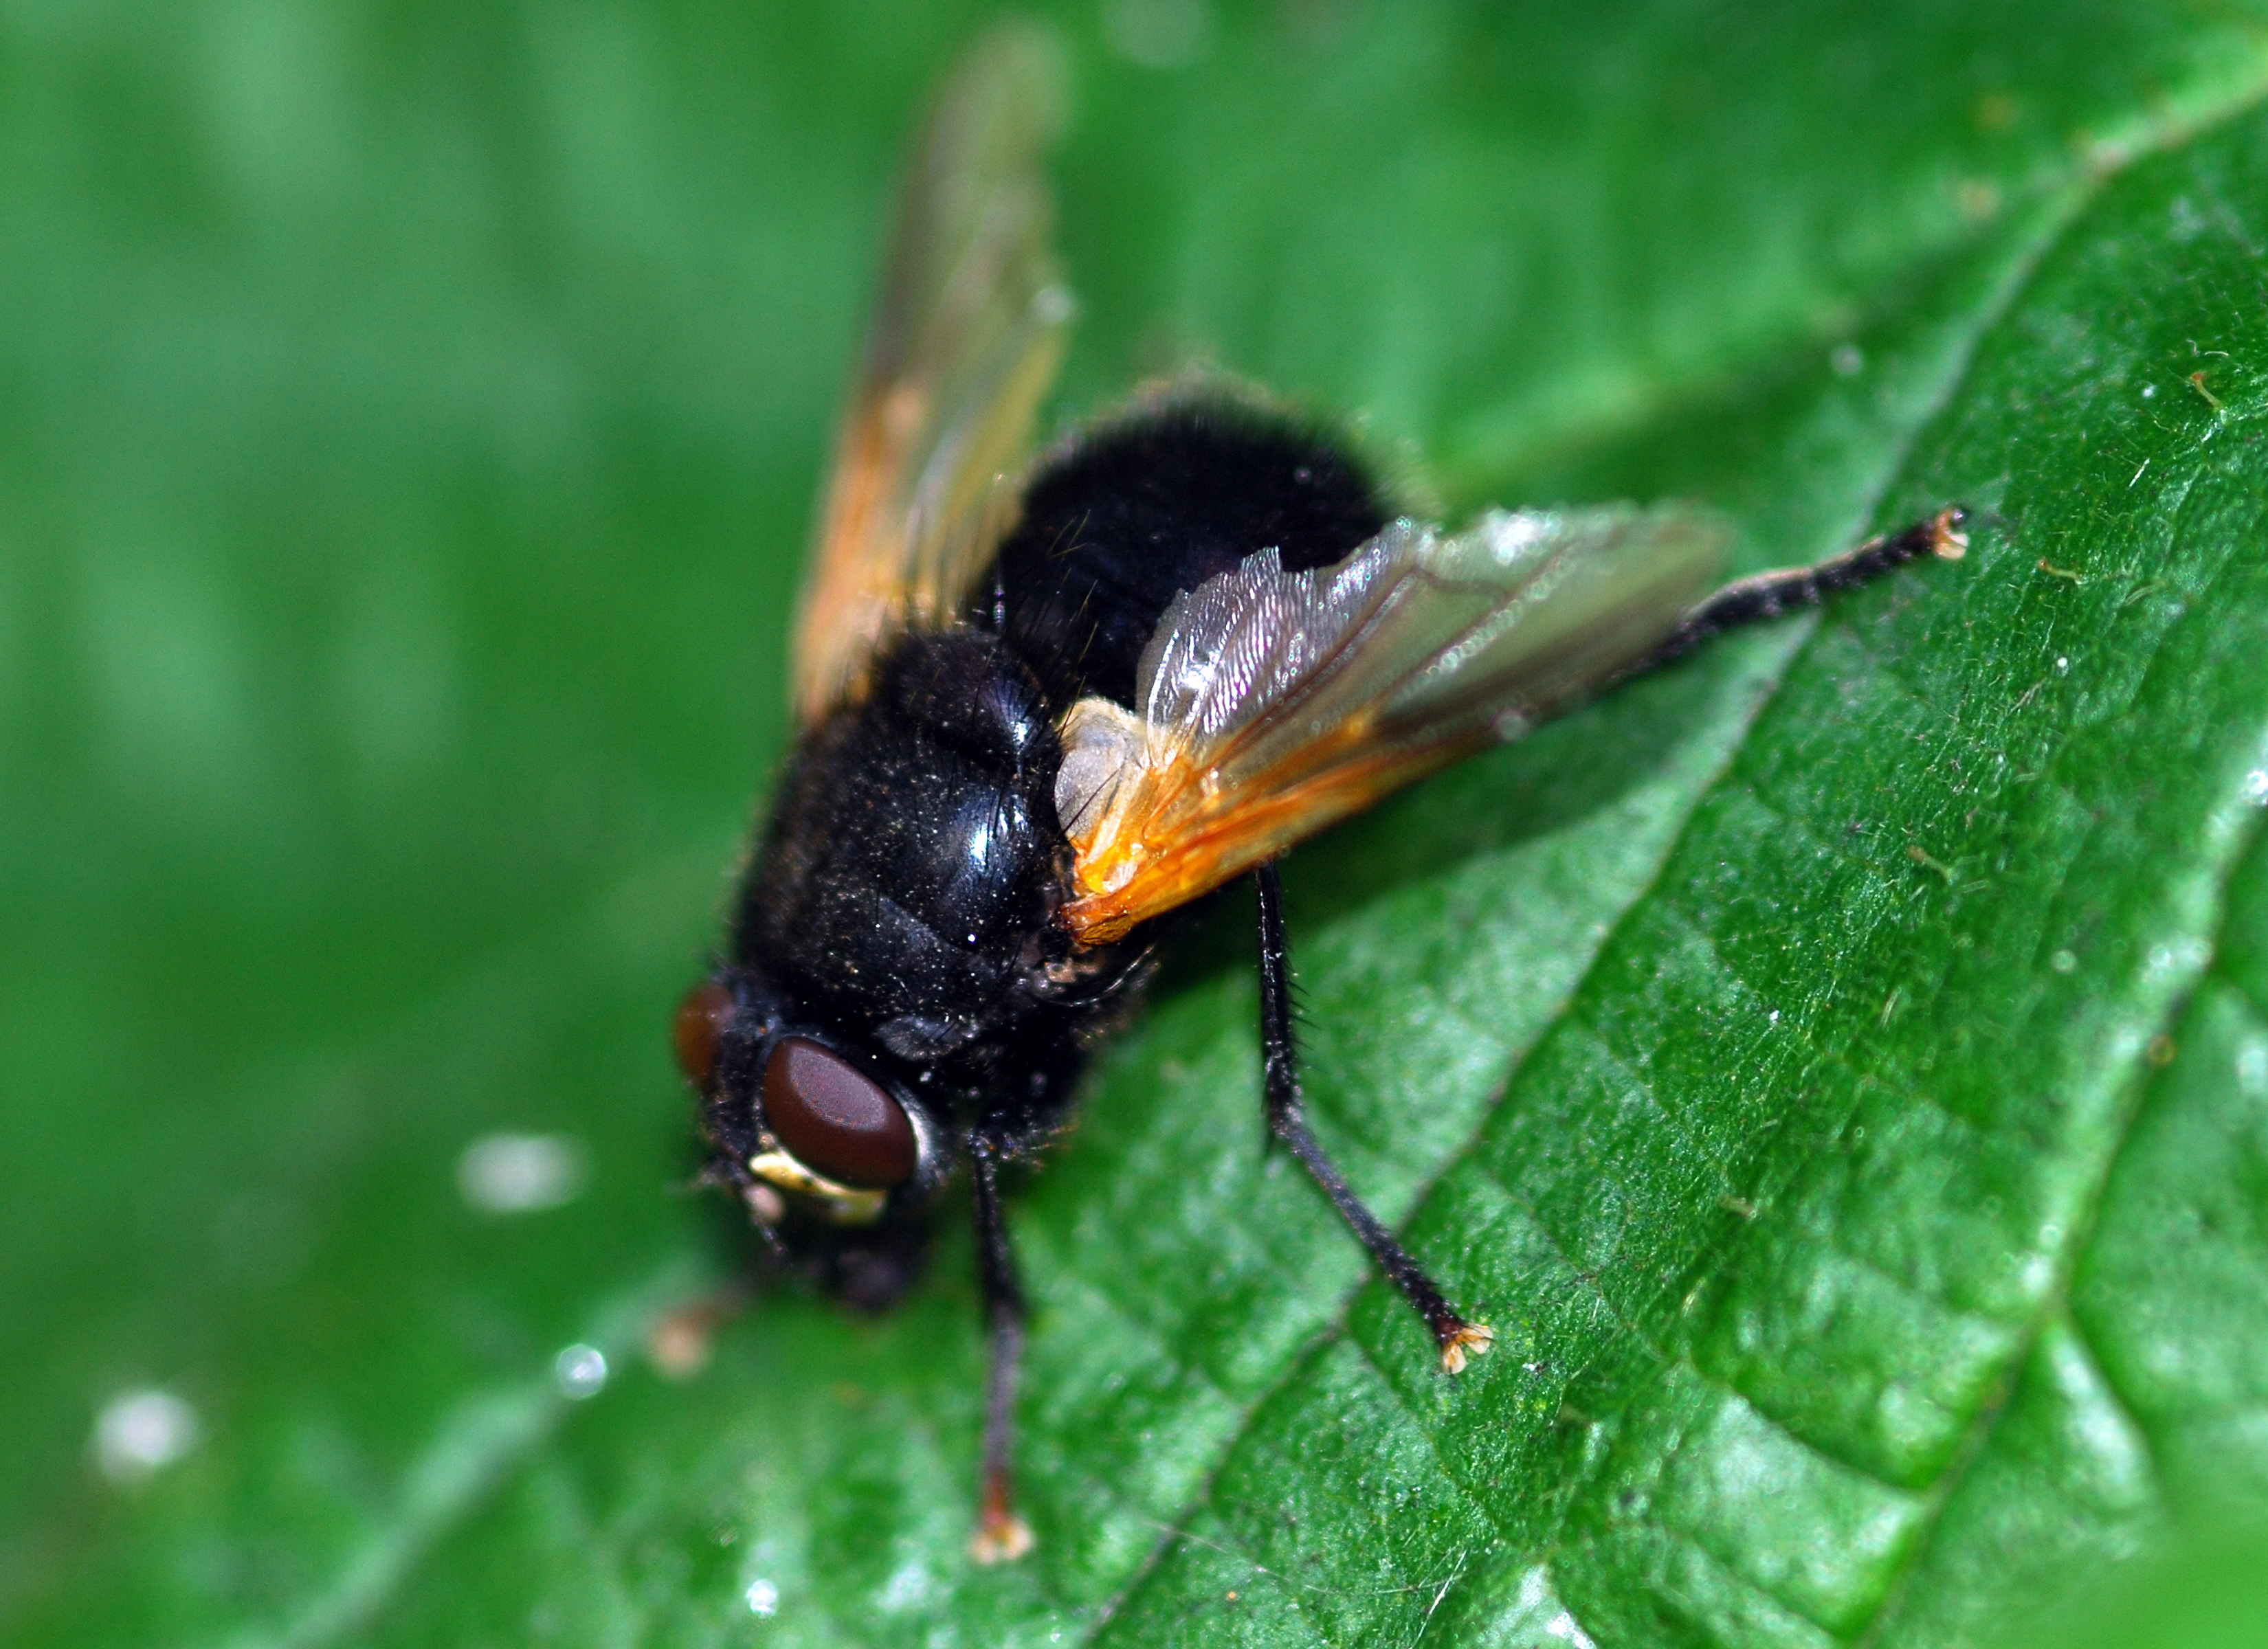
1001 1535
677 1344
1772 594
1457 1337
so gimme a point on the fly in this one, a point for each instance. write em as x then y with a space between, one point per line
1042 706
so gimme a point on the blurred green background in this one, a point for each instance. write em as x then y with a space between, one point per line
408 420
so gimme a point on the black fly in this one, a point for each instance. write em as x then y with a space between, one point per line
1041 706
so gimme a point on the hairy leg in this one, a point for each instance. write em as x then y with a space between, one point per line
1457 1337
1773 594
1001 1535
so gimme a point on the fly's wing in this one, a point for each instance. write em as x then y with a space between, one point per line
965 344
1272 705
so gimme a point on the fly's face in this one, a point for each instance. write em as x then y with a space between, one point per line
815 1133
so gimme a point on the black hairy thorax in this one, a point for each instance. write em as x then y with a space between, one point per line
905 892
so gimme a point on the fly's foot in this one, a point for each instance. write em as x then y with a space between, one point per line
1947 540
678 1343
1461 1341
1001 1535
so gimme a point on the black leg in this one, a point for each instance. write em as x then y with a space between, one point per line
1286 1116
1771 595
1001 1535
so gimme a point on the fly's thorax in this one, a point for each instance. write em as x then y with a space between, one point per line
914 854
900 918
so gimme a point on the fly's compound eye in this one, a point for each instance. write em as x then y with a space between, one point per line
698 1028
835 1119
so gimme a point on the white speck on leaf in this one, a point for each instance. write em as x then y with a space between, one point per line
140 1433
580 1371
2252 1067
520 1174
906 1587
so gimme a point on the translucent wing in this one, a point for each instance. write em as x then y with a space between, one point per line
1271 705
965 344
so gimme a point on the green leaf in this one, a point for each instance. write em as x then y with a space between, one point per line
1837 1065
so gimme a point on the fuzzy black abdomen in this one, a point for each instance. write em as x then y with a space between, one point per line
1133 514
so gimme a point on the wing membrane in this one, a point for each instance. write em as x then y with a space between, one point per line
961 350
1272 705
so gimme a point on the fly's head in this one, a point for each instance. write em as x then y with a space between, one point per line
831 1150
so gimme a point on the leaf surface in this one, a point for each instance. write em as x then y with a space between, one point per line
1837 1065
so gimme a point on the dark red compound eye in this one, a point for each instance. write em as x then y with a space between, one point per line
697 1029
835 1119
